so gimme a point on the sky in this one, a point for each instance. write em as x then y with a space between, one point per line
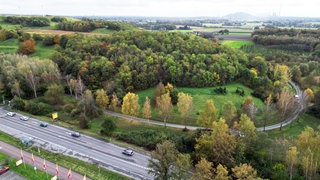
162 8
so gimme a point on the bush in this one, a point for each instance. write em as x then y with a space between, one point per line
39 108
48 40
108 126
68 107
27 47
83 122
18 103
37 37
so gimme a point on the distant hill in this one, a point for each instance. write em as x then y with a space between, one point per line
241 16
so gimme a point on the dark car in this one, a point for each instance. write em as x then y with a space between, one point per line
24 118
43 124
4 169
75 134
11 114
127 152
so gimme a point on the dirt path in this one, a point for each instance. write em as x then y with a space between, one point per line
38 162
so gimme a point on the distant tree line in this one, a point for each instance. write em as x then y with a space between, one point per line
35 21
288 39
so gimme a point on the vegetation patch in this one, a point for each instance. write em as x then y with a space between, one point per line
236 44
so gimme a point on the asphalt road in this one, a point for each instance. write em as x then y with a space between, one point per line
85 147
290 119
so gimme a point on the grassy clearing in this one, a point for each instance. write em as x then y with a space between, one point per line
3 157
236 44
43 52
103 31
200 96
9 46
296 127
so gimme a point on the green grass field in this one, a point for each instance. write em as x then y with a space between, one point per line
9 46
236 44
296 127
3 157
200 96
103 31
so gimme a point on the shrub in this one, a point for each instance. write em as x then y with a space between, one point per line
108 126
83 122
39 108
18 103
27 47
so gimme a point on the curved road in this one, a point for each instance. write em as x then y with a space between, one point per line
294 115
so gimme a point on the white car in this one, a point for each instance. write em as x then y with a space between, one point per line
11 114
24 118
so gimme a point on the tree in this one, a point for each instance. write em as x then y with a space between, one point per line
247 130
114 102
244 172
292 159
219 146
16 89
108 126
88 105
102 99
162 160
248 107
130 104
160 90
27 47
285 103
209 115
165 107
204 170
283 75
229 112
185 106
221 173
182 167
267 113
54 94
146 111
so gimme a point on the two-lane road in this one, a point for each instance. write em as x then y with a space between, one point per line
85 147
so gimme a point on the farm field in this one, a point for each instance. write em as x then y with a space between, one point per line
236 43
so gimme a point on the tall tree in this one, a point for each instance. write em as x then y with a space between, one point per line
89 108
130 104
204 170
185 106
16 89
219 146
292 160
182 167
267 113
114 102
229 112
208 116
160 90
247 130
102 99
248 107
162 159
165 107
285 104
54 94
146 111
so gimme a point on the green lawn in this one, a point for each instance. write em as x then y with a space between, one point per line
296 127
200 96
3 157
43 52
236 44
103 31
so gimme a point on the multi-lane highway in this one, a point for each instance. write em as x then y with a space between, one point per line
84 147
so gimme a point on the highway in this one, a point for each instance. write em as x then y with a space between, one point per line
93 150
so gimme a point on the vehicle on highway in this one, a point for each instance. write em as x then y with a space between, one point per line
11 114
24 118
43 124
127 152
4 169
75 134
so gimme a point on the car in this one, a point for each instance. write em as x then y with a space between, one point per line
43 124
127 152
24 118
4 169
75 134
11 114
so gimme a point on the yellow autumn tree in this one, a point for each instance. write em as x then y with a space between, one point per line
102 100
130 104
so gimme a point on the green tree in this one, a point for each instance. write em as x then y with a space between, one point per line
165 107
130 104
221 173
54 94
248 107
247 130
208 116
114 102
162 159
88 105
108 126
185 106
182 167
102 99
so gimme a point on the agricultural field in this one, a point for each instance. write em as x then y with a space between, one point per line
236 44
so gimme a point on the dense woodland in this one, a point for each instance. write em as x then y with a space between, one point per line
35 21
